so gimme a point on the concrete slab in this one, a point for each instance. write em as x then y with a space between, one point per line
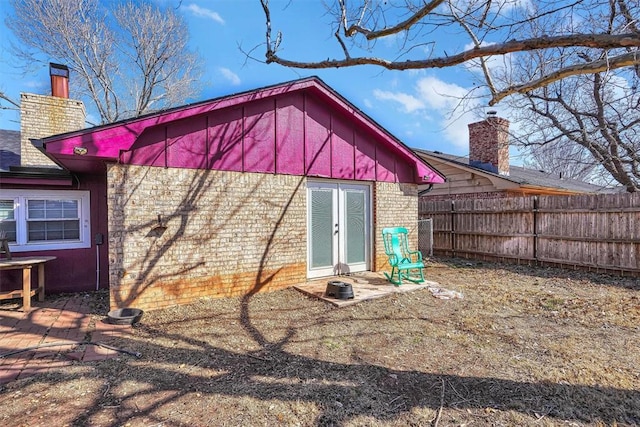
366 285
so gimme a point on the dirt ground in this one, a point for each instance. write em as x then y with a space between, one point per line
525 346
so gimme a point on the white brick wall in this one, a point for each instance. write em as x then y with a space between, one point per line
395 205
227 233
42 116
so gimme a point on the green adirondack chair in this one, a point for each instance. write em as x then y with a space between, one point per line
406 264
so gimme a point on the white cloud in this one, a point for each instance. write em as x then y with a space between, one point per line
440 94
438 105
453 110
204 13
230 76
408 102
34 84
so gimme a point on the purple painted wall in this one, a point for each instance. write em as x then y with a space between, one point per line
299 128
293 133
74 270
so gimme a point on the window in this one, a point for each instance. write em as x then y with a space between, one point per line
8 219
45 220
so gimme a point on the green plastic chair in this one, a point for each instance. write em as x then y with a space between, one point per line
406 264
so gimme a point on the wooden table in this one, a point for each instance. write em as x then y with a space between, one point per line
26 264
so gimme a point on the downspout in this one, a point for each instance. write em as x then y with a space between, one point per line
423 192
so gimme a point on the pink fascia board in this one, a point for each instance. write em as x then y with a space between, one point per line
427 175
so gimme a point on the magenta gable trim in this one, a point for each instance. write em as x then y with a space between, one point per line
298 128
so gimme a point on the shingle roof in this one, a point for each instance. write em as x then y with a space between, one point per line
9 148
525 176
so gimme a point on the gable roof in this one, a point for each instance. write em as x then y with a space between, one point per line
524 177
108 142
9 149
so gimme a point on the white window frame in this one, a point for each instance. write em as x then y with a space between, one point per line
20 198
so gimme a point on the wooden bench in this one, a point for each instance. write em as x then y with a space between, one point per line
26 264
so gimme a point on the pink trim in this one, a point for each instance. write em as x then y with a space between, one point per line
299 128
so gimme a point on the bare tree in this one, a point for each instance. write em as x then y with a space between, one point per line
595 114
565 159
126 62
493 27
569 68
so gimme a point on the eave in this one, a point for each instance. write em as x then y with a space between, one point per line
88 149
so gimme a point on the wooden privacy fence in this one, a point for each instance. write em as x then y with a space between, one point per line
600 232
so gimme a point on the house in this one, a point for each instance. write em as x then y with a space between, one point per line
248 192
486 173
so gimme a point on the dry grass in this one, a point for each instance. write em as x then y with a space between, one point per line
526 346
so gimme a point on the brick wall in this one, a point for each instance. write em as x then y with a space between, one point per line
395 205
227 233
489 143
42 116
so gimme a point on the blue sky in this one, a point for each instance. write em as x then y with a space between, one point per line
412 105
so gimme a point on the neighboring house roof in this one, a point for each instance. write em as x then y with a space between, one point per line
519 178
242 116
9 149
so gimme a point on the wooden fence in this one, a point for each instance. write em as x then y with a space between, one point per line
600 232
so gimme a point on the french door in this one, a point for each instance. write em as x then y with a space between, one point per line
338 228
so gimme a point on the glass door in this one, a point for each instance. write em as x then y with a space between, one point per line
338 228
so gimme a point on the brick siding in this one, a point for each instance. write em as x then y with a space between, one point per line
227 233
42 116
395 205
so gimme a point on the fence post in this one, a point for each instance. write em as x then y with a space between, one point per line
453 229
535 228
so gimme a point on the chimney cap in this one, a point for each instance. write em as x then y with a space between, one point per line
58 70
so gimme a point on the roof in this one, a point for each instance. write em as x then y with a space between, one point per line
9 149
108 142
523 176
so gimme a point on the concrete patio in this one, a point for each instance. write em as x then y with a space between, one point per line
366 285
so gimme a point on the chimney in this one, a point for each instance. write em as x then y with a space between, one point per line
489 144
44 115
59 80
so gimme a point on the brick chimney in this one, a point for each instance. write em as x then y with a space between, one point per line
43 115
489 144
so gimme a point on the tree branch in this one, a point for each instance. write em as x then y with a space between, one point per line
10 101
598 41
402 26
620 61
